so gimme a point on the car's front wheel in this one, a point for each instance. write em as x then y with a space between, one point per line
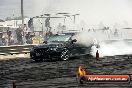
65 55
33 57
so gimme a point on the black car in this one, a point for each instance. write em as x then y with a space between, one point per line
60 46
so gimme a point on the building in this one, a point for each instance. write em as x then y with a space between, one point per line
12 23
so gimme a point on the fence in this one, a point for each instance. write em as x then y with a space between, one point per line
15 49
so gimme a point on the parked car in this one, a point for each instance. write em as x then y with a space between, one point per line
59 46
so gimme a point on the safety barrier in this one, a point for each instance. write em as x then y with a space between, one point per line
15 49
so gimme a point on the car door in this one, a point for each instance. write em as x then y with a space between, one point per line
76 49
71 47
80 49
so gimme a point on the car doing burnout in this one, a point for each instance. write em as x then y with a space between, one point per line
59 46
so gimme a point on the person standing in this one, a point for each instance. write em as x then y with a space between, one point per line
9 35
19 36
5 39
12 40
1 39
28 38
25 32
25 29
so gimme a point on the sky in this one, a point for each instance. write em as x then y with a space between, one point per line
92 12
10 7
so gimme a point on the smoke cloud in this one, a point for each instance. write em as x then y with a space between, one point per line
84 38
119 47
108 47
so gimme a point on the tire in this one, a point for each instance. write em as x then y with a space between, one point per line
33 57
65 55
37 60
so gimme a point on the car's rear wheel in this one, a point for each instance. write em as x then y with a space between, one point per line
65 55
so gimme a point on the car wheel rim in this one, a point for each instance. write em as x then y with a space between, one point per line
65 55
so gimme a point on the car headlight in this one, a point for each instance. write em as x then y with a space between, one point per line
53 48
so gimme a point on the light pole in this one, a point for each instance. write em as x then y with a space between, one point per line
22 17
22 13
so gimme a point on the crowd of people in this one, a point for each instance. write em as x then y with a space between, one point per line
16 37
19 37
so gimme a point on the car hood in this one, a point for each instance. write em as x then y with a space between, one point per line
48 45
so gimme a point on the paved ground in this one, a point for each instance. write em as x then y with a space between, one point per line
60 74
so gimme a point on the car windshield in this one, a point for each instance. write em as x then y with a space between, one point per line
59 38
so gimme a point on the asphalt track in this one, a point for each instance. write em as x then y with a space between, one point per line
61 74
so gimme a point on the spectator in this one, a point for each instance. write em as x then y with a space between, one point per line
9 36
5 39
12 40
28 38
41 38
1 39
19 36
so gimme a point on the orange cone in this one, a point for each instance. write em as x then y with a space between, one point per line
97 55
